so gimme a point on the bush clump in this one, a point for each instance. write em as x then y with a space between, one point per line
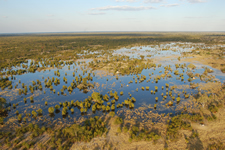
118 120
92 127
51 110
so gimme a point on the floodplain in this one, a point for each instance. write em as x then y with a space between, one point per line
112 90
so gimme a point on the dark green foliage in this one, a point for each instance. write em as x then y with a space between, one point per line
57 107
118 120
51 110
93 127
34 113
2 102
64 111
106 97
1 120
96 96
31 98
19 117
112 113
125 129
4 82
144 134
39 111
216 145
177 123
213 107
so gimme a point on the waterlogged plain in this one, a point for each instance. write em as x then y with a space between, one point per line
139 83
142 86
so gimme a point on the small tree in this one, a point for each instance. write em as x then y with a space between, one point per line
39 111
57 107
96 96
142 57
51 110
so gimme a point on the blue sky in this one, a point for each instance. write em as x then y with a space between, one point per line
20 16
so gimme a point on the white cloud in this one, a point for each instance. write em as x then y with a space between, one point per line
98 13
124 8
4 16
170 5
196 1
131 1
153 1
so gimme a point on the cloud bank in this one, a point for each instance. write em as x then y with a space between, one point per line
131 1
153 1
96 13
196 1
124 8
170 5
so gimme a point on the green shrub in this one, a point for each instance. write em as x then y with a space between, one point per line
125 129
170 103
96 96
31 98
113 107
34 113
133 99
107 108
1 120
191 66
167 85
178 99
57 107
51 110
118 121
176 123
20 117
39 111
112 113
64 111
92 127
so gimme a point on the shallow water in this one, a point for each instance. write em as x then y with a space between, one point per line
155 51
143 97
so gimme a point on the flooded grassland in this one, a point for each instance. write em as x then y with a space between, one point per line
169 93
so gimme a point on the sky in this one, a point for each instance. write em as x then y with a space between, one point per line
28 16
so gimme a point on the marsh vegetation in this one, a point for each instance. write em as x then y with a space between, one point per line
71 88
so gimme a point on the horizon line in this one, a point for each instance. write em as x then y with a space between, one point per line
8 33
